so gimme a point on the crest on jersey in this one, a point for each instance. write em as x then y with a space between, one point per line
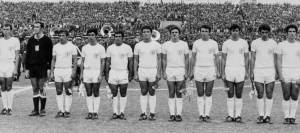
96 55
210 50
152 52
270 51
179 52
67 53
121 55
241 50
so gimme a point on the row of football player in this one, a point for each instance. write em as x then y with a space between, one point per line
272 61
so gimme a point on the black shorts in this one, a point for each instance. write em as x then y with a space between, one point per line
37 71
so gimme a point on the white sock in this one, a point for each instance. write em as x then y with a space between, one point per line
269 104
115 104
143 102
123 101
286 108
4 99
89 103
96 104
60 102
208 103
260 106
172 106
152 103
200 103
230 106
294 106
238 106
68 102
10 98
179 104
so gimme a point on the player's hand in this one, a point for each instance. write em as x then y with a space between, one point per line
15 72
106 78
192 75
81 77
129 78
276 76
281 79
136 77
158 76
48 73
224 77
27 74
186 76
73 75
164 76
100 78
252 76
218 76
246 75
52 76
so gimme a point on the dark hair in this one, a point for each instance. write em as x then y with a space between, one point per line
234 26
291 26
146 27
264 27
63 31
119 32
173 28
205 27
8 25
41 24
92 30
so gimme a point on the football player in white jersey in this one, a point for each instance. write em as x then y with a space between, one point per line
288 67
119 58
235 69
93 65
147 66
263 71
9 53
175 59
205 69
63 69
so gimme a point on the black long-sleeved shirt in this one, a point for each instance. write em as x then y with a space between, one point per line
43 56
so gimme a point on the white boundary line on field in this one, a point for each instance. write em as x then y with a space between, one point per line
131 89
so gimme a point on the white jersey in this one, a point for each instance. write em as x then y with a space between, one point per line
8 49
175 53
290 54
119 56
64 54
235 52
147 53
92 56
205 51
264 53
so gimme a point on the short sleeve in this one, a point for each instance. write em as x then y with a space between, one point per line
278 49
253 46
108 54
83 52
54 51
224 48
17 45
136 49
246 46
74 51
129 52
102 52
194 50
164 50
186 48
158 48
216 48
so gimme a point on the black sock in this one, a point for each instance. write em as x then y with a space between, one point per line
43 103
36 101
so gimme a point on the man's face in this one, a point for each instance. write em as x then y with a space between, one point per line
146 34
6 31
175 33
264 33
62 37
235 33
204 33
292 33
91 36
37 28
118 38
78 41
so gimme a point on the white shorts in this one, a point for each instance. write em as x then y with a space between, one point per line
62 75
264 75
290 74
147 74
91 76
235 74
118 77
175 73
205 74
7 69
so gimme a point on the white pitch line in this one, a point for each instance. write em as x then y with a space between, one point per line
131 89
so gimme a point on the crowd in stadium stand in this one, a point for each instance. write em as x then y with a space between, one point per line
77 17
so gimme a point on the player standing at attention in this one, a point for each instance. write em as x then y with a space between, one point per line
288 67
38 65
92 66
205 69
119 58
263 71
9 58
175 59
235 69
147 66
64 58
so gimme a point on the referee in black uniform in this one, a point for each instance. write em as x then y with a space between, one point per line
38 64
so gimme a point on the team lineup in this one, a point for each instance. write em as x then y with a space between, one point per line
148 63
